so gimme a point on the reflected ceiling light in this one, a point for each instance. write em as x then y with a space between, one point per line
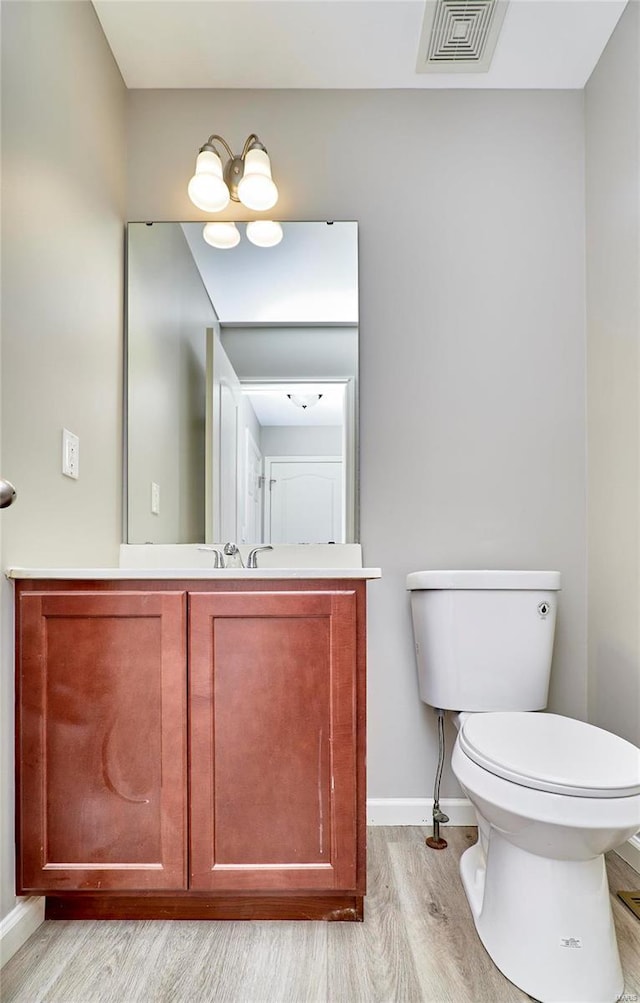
304 401
245 178
224 233
264 232
221 234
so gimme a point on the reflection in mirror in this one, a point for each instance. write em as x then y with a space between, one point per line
242 370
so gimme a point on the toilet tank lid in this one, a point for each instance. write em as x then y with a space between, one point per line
545 581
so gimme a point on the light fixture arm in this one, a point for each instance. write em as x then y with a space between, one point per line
209 145
251 143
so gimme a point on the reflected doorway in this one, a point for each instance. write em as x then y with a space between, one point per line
298 461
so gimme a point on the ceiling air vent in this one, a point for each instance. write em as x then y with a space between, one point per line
459 36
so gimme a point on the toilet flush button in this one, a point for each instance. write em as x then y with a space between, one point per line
543 609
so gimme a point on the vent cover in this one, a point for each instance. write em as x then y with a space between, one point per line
632 900
459 36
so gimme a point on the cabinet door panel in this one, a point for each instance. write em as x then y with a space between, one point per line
273 771
102 741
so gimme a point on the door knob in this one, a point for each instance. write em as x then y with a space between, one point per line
7 494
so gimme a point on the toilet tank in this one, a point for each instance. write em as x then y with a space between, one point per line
484 639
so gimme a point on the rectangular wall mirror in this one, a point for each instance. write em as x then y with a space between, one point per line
241 409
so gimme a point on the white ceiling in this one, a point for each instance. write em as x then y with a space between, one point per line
342 43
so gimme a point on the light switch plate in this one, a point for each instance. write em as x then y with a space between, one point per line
70 454
155 498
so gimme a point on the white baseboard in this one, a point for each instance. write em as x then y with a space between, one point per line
417 811
630 851
16 928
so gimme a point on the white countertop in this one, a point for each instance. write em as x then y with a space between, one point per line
214 574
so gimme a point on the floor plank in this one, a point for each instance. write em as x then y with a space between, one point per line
121 955
48 953
417 945
452 963
372 962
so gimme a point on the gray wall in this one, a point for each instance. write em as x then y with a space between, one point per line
613 310
63 160
472 340
301 440
169 312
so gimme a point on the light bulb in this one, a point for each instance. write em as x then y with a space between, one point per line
256 188
221 234
264 232
207 189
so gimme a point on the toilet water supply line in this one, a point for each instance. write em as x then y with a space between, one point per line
435 841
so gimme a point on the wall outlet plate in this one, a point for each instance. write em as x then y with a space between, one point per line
70 454
155 498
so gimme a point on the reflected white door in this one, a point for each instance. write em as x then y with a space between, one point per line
304 499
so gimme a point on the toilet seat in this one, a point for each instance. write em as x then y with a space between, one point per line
551 753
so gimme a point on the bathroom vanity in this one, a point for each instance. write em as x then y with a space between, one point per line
192 744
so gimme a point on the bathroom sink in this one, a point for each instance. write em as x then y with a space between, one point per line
289 557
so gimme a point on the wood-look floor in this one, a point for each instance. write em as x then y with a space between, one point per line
416 945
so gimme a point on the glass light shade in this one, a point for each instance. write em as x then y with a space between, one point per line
256 188
304 400
207 189
221 234
264 232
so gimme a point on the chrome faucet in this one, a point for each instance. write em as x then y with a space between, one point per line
252 560
218 560
233 555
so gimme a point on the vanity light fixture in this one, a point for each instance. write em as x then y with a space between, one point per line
245 178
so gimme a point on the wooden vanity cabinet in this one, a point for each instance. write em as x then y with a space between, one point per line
191 748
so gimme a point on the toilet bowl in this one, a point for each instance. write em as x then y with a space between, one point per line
549 806
552 795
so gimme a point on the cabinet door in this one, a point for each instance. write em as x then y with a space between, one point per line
101 741
272 741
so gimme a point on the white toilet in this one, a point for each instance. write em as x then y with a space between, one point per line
551 794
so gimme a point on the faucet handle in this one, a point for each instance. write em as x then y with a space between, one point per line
252 560
218 559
